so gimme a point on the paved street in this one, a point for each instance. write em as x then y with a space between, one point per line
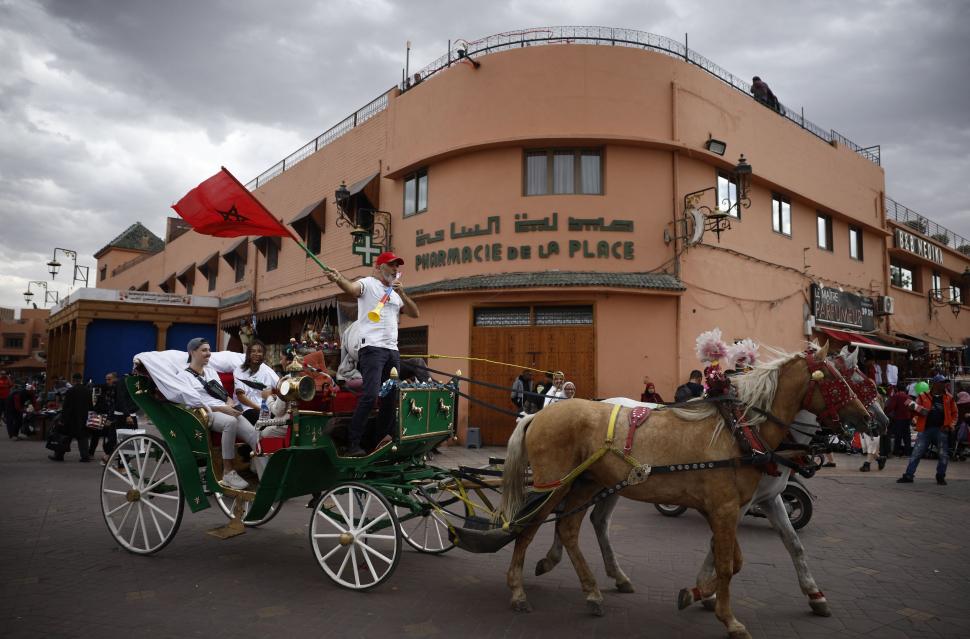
892 560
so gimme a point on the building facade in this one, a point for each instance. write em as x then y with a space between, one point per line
538 200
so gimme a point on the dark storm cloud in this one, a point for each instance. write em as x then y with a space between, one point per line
109 111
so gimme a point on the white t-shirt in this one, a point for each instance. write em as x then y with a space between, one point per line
264 375
191 393
382 334
553 396
892 374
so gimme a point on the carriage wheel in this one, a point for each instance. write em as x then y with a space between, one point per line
227 503
141 496
428 531
354 535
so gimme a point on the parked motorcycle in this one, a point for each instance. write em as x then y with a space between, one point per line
797 498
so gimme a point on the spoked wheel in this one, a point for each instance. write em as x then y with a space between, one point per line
228 502
670 510
428 531
355 536
141 497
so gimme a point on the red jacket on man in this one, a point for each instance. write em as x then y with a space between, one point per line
925 400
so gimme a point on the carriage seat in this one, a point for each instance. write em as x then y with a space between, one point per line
268 444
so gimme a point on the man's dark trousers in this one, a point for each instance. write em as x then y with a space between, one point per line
375 366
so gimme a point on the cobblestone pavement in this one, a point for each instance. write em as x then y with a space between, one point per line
891 558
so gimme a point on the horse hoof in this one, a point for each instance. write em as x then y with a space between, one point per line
521 606
710 603
684 598
543 566
595 607
739 634
820 608
625 587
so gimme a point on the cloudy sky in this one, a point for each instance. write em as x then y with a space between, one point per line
111 110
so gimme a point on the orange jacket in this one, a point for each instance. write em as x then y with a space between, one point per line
949 411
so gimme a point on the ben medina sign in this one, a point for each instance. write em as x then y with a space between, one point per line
918 246
584 247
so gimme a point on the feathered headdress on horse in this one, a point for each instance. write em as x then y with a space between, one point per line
713 353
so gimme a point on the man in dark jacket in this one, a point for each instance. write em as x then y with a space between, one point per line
693 388
119 412
74 419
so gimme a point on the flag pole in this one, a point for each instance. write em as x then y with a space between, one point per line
293 236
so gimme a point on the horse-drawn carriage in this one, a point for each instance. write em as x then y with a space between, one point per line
367 505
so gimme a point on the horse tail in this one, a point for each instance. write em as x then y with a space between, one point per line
513 471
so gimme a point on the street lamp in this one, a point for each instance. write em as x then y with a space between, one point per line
717 220
934 297
367 221
49 296
80 272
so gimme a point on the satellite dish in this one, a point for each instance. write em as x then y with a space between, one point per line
695 226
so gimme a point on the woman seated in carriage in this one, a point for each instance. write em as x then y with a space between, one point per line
255 383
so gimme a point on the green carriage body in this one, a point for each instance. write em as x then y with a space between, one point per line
311 464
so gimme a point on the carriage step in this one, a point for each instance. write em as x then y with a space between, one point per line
496 461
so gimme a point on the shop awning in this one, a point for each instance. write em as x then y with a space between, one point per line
859 340
204 264
168 284
306 212
188 269
936 341
229 253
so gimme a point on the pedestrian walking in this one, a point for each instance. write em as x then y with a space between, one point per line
74 419
650 394
119 411
901 418
521 386
936 413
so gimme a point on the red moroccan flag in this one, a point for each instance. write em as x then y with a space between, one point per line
223 207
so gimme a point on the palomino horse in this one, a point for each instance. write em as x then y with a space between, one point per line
767 497
560 438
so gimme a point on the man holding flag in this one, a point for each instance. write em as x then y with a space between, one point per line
222 207
378 352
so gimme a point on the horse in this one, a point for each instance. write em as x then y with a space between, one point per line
767 497
570 436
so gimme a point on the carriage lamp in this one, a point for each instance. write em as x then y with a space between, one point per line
80 272
934 298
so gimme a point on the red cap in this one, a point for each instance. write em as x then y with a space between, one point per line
387 257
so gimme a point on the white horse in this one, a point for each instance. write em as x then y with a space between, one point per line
767 497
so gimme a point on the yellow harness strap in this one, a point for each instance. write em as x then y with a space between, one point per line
595 457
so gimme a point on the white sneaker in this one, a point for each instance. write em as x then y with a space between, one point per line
233 480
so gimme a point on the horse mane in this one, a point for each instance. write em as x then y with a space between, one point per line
756 388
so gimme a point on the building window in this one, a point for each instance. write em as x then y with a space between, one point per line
104 272
269 247
564 172
239 266
13 342
35 341
824 232
855 243
936 286
504 316
188 287
781 215
956 293
211 278
901 276
416 193
534 316
312 237
727 195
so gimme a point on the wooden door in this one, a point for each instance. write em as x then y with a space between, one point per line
571 349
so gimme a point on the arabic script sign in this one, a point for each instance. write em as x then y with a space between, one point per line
841 309
497 251
147 297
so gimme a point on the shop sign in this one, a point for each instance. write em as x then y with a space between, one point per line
148 297
918 246
586 248
841 309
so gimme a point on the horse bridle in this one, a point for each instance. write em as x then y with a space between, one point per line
835 390
865 392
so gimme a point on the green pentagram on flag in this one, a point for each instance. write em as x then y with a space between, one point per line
232 215
366 249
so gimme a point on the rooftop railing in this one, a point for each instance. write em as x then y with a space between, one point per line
929 228
606 36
